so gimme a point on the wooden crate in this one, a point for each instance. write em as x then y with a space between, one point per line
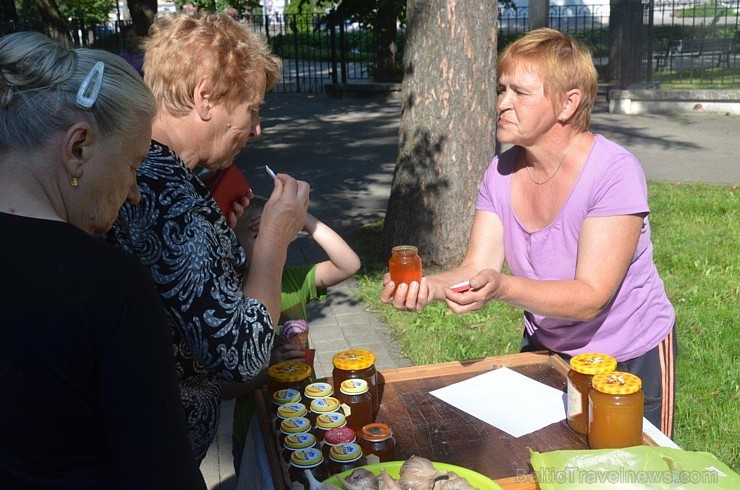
424 425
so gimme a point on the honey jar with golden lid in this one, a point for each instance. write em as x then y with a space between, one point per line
289 372
295 425
310 459
344 457
616 406
327 421
582 369
291 410
353 360
303 440
324 405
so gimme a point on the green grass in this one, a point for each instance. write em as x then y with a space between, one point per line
695 234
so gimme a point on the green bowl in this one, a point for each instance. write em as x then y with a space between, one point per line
394 467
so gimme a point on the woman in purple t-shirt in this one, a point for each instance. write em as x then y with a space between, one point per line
567 210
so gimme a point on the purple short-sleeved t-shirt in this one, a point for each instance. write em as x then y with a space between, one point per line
611 183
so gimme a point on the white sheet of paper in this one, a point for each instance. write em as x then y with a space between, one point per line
507 400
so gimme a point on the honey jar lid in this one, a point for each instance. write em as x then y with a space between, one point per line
324 405
344 452
593 363
281 397
353 386
376 432
339 435
330 420
289 372
306 458
291 410
617 383
299 441
353 360
318 390
295 425
405 249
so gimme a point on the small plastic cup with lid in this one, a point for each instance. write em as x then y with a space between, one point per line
583 367
616 405
345 456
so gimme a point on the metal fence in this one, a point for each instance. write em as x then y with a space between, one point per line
680 41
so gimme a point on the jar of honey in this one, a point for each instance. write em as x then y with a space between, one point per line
377 443
288 375
338 435
405 264
344 457
291 426
327 421
306 459
615 411
294 442
289 411
356 403
315 391
321 406
583 367
357 364
283 397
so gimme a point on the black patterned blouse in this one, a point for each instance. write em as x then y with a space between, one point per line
178 232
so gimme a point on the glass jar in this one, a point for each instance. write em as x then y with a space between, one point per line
314 391
289 411
283 397
583 367
338 435
306 459
327 421
405 264
321 406
377 443
344 457
357 364
356 403
290 426
615 411
284 375
294 442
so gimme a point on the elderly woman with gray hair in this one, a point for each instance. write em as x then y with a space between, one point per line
209 75
89 389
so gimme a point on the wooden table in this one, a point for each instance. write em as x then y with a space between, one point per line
424 425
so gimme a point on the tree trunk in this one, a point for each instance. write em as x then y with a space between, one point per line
8 13
447 130
539 14
143 13
57 27
386 49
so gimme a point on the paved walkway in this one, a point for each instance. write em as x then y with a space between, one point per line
346 150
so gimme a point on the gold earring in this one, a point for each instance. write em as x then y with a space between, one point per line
74 182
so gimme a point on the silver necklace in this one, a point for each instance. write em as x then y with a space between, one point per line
562 159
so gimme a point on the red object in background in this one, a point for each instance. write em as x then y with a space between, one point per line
229 186
310 353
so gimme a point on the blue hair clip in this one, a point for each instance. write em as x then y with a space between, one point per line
90 88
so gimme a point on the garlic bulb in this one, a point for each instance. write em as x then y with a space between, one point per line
360 479
418 474
386 482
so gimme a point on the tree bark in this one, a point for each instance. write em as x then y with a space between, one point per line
447 129
539 14
143 13
56 24
386 49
